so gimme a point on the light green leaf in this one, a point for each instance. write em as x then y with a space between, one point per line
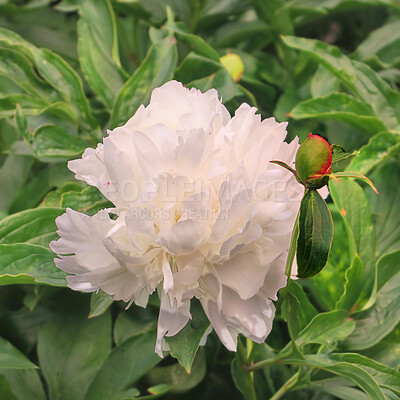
28 263
195 66
379 148
156 69
327 328
375 323
380 48
184 345
358 77
339 107
354 281
71 351
12 358
315 235
34 226
125 365
99 303
30 103
353 205
98 49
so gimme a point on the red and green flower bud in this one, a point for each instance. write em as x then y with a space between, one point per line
314 162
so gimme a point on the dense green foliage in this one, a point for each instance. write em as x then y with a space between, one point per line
71 69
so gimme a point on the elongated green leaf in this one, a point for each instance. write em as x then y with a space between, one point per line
184 345
125 365
13 174
315 235
327 328
34 226
347 370
98 49
29 103
340 107
385 207
99 303
353 205
12 358
358 77
381 46
377 322
198 43
25 384
157 68
351 292
379 148
53 143
28 263
384 375
306 311
71 350
194 67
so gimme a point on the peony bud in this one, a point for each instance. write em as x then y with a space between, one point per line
234 64
314 162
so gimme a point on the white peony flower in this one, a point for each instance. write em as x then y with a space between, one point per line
200 213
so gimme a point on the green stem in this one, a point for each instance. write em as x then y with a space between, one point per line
287 351
242 358
286 386
293 246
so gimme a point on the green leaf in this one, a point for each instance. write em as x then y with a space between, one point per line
385 207
194 67
133 322
184 345
125 365
352 372
12 358
380 48
156 69
354 281
98 50
375 323
242 379
99 303
36 226
25 384
71 351
315 235
359 78
340 107
31 104
384 375
53 143
13 174
350 200
327 328
379 148
199 44
28 263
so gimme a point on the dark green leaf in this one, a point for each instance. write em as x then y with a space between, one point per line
377 322
157 68
25 384
71 351
125 365
184 345
12 358
28 263
359 78
315 235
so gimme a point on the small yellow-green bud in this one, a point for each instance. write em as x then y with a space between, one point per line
234 65
314 162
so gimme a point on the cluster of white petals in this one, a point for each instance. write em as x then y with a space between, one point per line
199 212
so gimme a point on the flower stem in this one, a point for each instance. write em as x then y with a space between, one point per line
286 386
